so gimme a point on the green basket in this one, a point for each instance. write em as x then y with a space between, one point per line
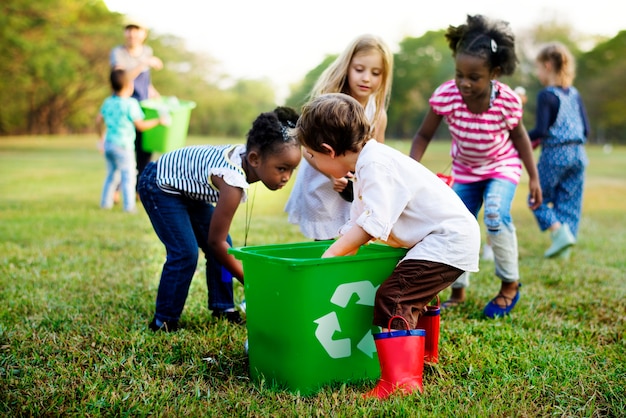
167 138
309 319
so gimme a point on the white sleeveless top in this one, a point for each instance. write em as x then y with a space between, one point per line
313 204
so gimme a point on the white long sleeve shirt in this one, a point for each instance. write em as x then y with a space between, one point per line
402 203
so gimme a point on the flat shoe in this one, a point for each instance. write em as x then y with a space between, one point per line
493 310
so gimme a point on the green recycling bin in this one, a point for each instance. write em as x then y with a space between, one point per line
309 319
161 138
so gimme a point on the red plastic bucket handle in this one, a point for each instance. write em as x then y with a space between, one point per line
408 327
448 179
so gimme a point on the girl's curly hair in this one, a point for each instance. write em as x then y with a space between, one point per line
492 40
271 130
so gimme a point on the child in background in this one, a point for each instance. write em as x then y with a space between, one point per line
561 129
191 195
488 141
319 204
397 201
122 116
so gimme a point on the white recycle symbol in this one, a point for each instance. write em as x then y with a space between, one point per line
328 324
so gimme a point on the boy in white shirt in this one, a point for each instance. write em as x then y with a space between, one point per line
397 201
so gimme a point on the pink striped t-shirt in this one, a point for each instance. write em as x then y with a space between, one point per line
481 145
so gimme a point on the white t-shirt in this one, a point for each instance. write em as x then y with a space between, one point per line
402 203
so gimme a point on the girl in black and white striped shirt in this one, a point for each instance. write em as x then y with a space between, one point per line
191 196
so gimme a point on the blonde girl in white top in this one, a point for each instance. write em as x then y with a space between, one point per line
364 71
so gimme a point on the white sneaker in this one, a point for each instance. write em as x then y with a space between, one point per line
242 306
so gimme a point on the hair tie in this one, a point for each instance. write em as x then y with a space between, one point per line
494 46
285 131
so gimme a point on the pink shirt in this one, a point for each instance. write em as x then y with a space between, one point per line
481 145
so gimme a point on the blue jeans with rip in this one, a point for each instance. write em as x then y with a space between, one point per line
182 225
496 195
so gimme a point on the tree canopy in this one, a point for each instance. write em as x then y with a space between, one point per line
54 75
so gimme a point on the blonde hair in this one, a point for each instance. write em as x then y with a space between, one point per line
562 61
335 78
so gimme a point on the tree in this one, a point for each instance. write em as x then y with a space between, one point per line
300 93
600 82
53 50
55 69
55 66
419 67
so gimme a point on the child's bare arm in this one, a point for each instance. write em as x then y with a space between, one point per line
349 243
424 134
221 220
145 124
520 139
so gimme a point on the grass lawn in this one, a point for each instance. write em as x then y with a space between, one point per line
77 289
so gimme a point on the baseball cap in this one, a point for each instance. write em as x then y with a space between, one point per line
131 22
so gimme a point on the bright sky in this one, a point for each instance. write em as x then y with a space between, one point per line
282 40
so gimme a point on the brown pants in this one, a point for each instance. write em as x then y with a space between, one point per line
411 286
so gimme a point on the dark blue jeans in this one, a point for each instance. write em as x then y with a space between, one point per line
182 225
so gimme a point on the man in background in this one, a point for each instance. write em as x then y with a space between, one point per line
137 60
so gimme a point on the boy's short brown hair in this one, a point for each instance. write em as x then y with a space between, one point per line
119 79
336 119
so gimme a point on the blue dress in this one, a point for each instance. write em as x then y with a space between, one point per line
562 127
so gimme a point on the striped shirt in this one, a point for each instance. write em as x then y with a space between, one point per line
481 145
187 171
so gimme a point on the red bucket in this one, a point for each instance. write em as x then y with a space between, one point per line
449 180
429 321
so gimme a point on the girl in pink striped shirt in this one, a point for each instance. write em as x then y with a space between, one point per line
489 144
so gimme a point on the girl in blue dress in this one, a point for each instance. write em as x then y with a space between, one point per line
561 130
